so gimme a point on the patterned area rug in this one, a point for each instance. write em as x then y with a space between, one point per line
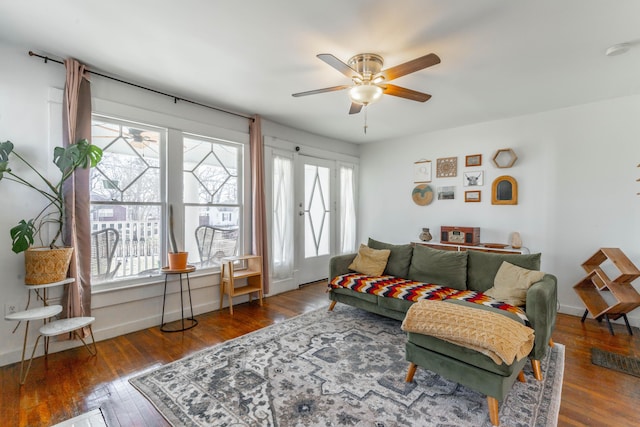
340 368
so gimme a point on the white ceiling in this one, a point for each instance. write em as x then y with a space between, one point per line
500 58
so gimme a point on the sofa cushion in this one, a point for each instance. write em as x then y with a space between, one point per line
399 259
446 268
512 282
482 267
370 261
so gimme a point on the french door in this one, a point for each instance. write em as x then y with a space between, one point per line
315 195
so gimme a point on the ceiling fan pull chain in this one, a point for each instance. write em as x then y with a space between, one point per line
365 119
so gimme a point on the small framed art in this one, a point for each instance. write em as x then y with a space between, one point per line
447 192
473 160
447 167
473 179
472 196
422 171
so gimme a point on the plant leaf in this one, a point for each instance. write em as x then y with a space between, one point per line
81 154
22 236
4 167
5 149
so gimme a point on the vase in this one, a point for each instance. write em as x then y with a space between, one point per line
516 240
178 260
425 236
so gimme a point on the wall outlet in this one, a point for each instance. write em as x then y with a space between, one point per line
10 308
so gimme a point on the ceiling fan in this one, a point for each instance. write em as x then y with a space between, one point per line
370 82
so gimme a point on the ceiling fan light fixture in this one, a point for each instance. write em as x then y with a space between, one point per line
365 94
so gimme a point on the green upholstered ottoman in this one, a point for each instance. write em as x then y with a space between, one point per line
465 365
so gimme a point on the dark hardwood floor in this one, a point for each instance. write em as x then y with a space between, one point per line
72 382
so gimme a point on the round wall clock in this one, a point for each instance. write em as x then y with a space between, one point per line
422 195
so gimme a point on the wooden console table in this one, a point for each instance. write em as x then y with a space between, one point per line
590 289
250 268
480 247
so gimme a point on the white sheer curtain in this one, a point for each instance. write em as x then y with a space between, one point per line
283 221
347 210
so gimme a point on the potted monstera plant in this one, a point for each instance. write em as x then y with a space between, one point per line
40 262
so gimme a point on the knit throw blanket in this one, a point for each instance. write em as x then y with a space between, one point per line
410 290
492 334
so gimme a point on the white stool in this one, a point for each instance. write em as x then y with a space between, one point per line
59 327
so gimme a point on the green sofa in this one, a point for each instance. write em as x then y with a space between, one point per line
471 269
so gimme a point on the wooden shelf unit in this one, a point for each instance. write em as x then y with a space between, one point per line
591 287
247 267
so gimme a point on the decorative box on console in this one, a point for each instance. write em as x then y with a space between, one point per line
460 235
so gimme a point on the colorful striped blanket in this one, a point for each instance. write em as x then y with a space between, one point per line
394 287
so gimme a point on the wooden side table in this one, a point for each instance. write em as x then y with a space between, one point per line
624 295
185 323
250 268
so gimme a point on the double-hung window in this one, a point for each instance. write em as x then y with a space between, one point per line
140 175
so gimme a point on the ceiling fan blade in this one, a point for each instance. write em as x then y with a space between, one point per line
405 93
326 89
339 65
409 67
355 108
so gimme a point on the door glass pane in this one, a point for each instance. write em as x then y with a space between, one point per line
317 210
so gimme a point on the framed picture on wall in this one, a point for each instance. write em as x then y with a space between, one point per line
473 160
472 196
422 171
447 167
447 192
473 179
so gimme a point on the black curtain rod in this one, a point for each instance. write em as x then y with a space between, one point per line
175 98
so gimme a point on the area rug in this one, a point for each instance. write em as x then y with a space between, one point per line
618 362
340 368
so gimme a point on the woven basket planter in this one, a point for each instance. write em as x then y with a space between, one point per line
45 265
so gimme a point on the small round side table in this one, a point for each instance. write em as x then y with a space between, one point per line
184 323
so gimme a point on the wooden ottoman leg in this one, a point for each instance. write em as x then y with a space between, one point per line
493 410
411 372
333 304
551 344
537 370
521 377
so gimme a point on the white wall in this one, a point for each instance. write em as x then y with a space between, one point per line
576 173
25 98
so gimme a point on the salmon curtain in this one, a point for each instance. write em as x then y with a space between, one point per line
77 232
259 216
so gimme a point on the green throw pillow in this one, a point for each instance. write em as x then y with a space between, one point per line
483 267
399 260
446 268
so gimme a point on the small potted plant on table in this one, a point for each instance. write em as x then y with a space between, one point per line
50 263
177 259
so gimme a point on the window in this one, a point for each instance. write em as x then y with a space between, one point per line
347 242
212 198
283 221
126 191
133 185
